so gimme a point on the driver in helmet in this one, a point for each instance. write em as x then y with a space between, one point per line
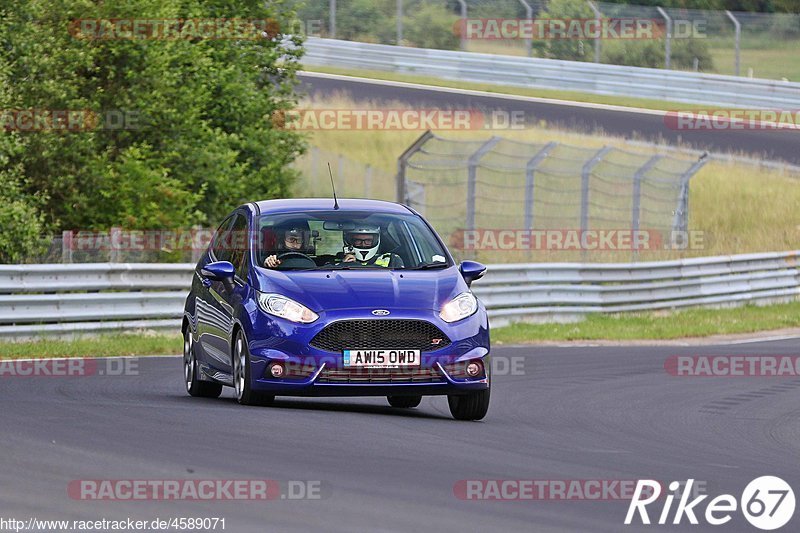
295 238
362 244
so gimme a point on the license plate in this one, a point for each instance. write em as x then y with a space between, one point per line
381 358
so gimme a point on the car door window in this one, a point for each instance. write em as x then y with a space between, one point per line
239 245
425 247
220 247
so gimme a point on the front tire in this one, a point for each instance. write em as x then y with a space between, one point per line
242 378
404 402
472 406
195 387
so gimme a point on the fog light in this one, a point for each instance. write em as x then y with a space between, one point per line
276 369
474 369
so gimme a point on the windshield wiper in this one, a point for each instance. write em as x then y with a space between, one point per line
425 266
340 266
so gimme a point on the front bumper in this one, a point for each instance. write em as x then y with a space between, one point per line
314 372
362 384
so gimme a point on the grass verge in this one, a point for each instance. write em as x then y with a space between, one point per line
574 96
657 325
97 346
552 94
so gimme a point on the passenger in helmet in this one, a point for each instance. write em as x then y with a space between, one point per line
294 236
362 244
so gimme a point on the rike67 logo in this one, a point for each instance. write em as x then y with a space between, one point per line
767 503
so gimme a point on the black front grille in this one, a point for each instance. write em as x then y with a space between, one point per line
378 334
379 375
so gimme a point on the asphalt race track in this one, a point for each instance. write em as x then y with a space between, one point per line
567 413
650 126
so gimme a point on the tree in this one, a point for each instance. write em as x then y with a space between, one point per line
198 137
431 26
569 49
20 217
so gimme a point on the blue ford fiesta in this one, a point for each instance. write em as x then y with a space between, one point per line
309 297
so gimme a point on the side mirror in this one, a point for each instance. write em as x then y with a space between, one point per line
472 270
218 271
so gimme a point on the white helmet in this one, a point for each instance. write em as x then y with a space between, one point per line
363 248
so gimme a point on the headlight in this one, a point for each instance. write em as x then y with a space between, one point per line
462 306
284 307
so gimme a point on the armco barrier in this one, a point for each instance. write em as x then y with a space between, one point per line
597 78
68 299
553 291
96 297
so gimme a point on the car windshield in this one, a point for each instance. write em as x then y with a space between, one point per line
336 240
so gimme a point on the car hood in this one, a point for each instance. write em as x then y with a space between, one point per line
358 289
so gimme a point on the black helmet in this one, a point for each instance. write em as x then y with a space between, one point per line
295 229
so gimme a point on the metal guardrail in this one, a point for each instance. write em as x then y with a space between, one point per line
546 292
93 277
91 297
669 85
65 299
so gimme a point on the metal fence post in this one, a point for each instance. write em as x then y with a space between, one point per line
314 165
332 22
399 22
114 238
597 15
415 196
66 246
637 197
738 28
681 220
586 172
340 175
472 178
530 168
402 164
463 5
668 40
529 16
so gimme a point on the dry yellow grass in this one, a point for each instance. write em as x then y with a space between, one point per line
741 208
